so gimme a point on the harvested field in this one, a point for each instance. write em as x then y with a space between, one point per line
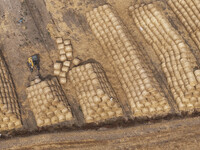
114 74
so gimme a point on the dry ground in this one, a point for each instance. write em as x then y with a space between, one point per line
42 22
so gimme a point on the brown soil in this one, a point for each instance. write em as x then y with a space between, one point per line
174 134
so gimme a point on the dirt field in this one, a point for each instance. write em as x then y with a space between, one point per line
174 134
30 27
